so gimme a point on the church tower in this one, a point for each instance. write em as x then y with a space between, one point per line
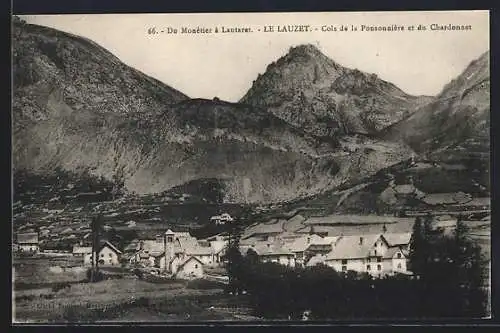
169 249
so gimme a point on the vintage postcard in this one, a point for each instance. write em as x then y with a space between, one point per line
251 167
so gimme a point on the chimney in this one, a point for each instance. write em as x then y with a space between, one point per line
360 240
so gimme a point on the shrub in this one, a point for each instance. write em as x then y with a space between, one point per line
60 286
98 276
138 273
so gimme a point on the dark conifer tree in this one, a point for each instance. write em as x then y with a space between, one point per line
96 227
418 246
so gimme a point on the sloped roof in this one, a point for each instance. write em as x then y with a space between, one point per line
268 249
294 223
191 246
184 244
199 250
27 238
152 246
315 260
183 263
82 249
394 239
218 245
132 246
301 244
349 247
111 246
328 240
66 231
389 254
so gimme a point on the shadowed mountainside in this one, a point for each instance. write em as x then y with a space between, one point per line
455 125
78 108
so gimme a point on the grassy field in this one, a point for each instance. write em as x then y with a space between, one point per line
31 272
42 294
125 300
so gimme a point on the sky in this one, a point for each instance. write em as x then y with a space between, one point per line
225 65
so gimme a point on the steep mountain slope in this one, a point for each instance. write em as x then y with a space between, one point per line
47 61
455 125
80 110
311 91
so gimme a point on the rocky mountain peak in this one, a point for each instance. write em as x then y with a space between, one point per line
311 91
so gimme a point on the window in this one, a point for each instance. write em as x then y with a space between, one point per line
344 268
375 251
102 255
368 260
399 266
195 265
344 261
379 267
379 259
110 261
111 255
399 255
368 267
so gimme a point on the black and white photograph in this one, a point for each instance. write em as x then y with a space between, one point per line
251 167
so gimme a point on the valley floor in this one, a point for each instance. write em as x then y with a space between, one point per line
40 299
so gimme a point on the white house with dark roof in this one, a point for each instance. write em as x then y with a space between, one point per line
109 255
375 254
307 246
276 252
28 242
352 253
219 250
221 219
189 268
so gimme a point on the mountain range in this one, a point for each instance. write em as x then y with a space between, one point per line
307 125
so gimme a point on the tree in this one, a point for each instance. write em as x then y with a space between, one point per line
96 227
467 277
451 271
234 265
418 245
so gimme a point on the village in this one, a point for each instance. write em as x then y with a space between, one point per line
180 255
52 261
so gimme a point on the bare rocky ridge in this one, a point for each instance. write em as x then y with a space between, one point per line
455 125
309 90
78 108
